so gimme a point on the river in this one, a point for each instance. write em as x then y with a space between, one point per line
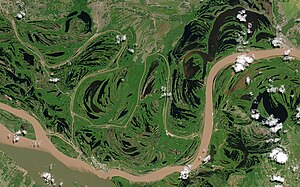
47 146
36 162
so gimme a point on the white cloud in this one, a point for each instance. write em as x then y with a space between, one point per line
242 15
281 89
130 50
184 174
271 121
272 89
276 128
277 178
255 114
241 62
54 80
121 38
278 185
278 42
298 113
206 159
249 28
278 155
288 58
248 80
238 67
287 52
275 140
294 168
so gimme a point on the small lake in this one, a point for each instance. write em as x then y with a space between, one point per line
36 162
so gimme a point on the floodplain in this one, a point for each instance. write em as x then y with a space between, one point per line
137 104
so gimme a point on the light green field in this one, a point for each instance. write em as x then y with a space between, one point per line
63 147
14 123
290 8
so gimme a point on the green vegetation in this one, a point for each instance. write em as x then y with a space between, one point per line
290 8
294 36
130 96
13 175
291 25
286 13
241 141
63 146
56 45
14 123
238 146
109 100
109 97
171 180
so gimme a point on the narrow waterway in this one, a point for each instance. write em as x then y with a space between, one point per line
36 162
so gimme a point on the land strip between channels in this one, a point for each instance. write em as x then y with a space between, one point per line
46 144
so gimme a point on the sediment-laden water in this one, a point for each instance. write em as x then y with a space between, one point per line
36 162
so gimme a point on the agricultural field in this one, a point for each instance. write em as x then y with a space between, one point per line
287 16
13 175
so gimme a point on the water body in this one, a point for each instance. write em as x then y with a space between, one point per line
28 58
36 162
56 54
272 106
256 19
85 17
87 20
215 43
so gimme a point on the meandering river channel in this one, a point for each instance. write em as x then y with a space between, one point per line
79 165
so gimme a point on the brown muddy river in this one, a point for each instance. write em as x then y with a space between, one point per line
36 162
